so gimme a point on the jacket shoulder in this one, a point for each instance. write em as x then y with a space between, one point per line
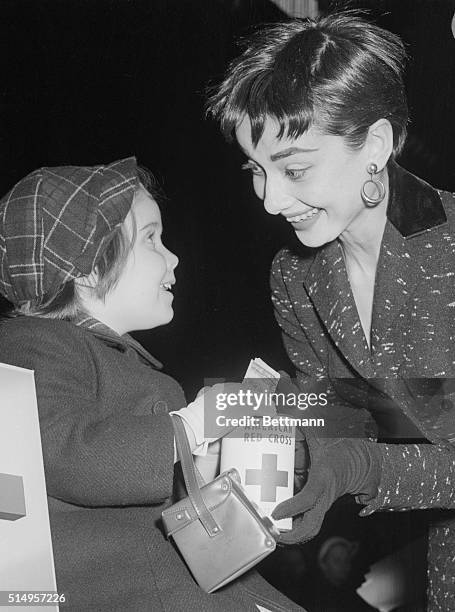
448 202
26 340
32 328
292 263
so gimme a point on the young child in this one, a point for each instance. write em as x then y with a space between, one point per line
82 264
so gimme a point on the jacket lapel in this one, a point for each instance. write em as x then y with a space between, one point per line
397 277
414 208
328 286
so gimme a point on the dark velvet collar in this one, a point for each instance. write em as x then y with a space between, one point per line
414 206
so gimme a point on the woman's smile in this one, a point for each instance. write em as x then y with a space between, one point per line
330 183
303 219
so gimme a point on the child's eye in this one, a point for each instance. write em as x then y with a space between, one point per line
295 173
253 168
152 239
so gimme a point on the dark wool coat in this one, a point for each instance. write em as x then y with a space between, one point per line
404 385
108 452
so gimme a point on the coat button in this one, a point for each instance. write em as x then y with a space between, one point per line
160 407
446 405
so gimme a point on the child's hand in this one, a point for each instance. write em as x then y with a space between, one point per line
218 410
201 391
212 410
208 466
200 416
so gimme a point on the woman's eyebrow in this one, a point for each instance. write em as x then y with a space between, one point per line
290 151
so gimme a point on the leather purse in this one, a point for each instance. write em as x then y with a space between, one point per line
217 529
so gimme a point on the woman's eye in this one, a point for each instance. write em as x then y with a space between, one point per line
295 173
253 168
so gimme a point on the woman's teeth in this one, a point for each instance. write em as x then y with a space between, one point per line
307 215
166 286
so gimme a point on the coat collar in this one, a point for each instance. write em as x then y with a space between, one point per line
414 207
329 289
124 343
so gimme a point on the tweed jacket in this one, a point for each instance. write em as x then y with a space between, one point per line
108 453
402 386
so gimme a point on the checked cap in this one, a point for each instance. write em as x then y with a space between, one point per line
53 224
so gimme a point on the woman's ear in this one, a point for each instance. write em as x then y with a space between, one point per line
380 142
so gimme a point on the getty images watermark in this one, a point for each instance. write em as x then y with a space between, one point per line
251 404
335 407
255 399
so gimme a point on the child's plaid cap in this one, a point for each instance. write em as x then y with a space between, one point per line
53 224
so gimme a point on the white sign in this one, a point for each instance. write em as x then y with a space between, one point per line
26 559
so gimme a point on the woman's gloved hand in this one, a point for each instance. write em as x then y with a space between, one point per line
337 466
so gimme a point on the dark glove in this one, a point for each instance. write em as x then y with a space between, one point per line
338 466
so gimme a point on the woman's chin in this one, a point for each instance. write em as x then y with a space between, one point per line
320 233
313 239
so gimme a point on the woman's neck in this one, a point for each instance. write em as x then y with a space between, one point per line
361 242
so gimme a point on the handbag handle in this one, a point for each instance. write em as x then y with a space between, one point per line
191 478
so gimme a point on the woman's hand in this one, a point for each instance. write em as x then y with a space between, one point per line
338 466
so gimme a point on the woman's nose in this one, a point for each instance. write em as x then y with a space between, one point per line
275 198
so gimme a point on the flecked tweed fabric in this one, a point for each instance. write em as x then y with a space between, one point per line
404 384
52 225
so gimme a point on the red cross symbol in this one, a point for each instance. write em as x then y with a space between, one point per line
268 477
12 500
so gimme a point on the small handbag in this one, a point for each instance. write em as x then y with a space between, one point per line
217 529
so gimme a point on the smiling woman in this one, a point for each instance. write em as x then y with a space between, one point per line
365 303
313 181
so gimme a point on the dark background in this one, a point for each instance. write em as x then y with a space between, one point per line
90 81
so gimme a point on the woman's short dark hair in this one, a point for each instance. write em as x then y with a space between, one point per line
340 73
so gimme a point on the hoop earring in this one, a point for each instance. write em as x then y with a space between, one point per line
372 169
